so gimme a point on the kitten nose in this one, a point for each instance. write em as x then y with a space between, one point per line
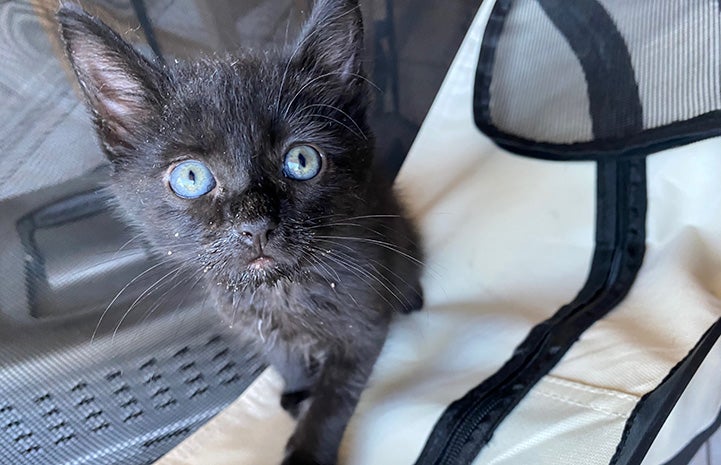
256 232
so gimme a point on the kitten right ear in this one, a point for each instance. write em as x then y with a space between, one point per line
333 38
122 88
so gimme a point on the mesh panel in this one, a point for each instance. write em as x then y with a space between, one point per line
529 96
674 46
600 77
64 256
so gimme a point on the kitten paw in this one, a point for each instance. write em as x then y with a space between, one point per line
415 303
301 458
291 401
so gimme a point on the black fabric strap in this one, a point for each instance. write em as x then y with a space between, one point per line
147 26
601 49
648 142
685 455
469 423
615 104
651 412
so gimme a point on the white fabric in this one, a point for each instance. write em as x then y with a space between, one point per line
509 241
700 402
628 353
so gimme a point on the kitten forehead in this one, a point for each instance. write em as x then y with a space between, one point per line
217 106
237 108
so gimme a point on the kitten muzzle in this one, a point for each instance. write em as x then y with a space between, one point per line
261 263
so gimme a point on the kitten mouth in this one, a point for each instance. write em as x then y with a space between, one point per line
266 270
261 263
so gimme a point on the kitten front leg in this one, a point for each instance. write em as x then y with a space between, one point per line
334 398
299 375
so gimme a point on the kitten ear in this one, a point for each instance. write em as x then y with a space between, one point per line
122 88
333 38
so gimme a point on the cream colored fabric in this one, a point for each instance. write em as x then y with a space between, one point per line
695 411
252 430
509 240
629 352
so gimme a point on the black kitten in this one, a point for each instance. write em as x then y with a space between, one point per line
256 170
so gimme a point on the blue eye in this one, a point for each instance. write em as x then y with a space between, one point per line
302 163
191 179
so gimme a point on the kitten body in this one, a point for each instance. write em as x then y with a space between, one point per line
312 270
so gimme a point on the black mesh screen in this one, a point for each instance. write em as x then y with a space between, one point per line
554 76
107 356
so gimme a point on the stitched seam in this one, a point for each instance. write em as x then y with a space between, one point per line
580 404
591 389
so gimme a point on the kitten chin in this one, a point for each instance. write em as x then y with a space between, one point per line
256 172
264 271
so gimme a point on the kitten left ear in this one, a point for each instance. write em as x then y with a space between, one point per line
122 88
333 38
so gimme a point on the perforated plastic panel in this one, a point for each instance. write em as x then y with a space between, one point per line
158 365
120 402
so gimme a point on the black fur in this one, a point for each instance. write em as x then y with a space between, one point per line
345 259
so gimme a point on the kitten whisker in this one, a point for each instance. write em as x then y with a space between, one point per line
159 301
189 292
287 28
351 218
323 105
386 245
352 258
105 261
235 306
330 118
349 263
310 222
127 243
315 261
330 270
379 264
359 272
387 229
355 225
362 217
365 78
102 316
149 290
304 87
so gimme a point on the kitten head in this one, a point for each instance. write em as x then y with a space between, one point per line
231 164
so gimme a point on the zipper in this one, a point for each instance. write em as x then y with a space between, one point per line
481 407
616 262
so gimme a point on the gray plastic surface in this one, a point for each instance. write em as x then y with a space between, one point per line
85 382
122 402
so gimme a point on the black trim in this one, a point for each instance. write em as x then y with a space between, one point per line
596 36
147 26
604 57
66 210
469 423
646 143
685 456
652 410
